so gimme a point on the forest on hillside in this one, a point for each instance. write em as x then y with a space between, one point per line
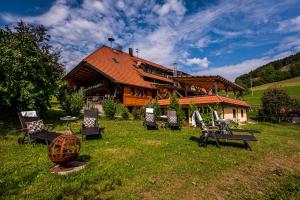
278 70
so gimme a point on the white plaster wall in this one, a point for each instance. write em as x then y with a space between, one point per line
228 114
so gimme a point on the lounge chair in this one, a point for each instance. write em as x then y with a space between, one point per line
90 126
217 135
223 125
172 120
149 121
34 128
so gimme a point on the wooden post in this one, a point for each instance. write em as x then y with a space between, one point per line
185 91
216 87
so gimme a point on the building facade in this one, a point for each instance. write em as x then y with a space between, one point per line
134 81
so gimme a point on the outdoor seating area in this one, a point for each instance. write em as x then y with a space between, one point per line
157 158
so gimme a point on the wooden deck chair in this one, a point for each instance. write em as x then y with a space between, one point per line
90 127
34 128
217 135
149 121
172 120
224 127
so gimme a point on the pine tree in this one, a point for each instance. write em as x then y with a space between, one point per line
174 105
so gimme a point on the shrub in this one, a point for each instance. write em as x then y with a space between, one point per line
123 111
157 110
109 107
135 113
192 108
276 104
73 102
174 105
138 113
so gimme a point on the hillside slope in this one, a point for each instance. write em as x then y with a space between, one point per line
275 71
292 86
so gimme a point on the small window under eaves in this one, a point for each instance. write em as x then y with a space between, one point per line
115 60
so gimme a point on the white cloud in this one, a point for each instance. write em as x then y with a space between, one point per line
158 46
290 25
232 71
56 14
203 42
169 6
166 33
201 62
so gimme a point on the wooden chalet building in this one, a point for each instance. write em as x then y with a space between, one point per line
134 81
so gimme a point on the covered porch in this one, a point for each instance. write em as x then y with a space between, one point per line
188 85
96 84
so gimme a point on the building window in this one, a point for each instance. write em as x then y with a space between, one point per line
234 113
242 113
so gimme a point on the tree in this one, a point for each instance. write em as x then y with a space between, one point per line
29 68
109 107
276 104
155 105
71 100
174 105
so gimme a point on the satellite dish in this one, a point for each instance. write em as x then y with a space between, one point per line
111 40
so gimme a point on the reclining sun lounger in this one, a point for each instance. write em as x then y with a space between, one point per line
172 120
149 121
34 128
217 135
90 127
223 125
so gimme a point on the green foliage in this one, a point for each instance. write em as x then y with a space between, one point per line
155 105
207 118
276 104
62 92
174 105
272 72
29 68
109 107
71 100
74 102
135 113
138 112
192 108
123 111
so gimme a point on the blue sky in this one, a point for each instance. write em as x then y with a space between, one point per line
225 38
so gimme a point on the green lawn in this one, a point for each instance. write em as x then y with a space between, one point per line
132 163
292 86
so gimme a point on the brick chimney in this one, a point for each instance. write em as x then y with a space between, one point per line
130 51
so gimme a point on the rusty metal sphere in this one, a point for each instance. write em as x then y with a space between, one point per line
64 148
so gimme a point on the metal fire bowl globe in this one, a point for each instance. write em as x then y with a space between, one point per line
63 149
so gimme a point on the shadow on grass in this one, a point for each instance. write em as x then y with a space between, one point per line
222 143
84 158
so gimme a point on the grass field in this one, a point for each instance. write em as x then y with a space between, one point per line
133 163
292 86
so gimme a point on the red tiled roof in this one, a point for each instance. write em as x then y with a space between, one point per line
153 76
121 67
151 63
117 65
205 100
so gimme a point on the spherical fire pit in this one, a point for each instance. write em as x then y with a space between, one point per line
64 151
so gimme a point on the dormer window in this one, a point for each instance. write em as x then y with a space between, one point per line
115 60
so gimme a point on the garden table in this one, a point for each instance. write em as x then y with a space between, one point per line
69 120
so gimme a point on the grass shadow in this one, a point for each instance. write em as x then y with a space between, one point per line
84 158
222 143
